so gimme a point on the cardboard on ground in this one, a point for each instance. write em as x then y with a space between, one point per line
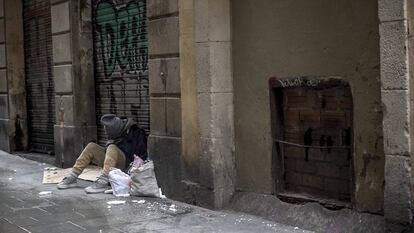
90 173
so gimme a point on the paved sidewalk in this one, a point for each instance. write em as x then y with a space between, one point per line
22 209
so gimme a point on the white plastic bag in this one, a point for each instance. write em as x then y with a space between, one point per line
144 182
119 182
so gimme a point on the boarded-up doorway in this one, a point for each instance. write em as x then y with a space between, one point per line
312 131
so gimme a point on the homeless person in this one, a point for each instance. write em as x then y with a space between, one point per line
125 139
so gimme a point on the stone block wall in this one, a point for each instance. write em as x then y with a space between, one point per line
73 78
4 103
339 39
190 155
214 76
395 95
13 116
410 18
165 94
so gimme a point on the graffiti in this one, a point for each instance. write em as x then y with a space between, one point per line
122 36
121 59
299 82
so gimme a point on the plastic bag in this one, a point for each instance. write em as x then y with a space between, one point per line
120 183
138 162
144 182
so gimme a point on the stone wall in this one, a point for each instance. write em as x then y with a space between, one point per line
190 155
4 102
213 57
73 78
165 94
13 116
395 95
191 137
410 18
307 39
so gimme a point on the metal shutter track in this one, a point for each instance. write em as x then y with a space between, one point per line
39 77
121 58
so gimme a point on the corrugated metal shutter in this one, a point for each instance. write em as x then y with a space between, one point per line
121 59
39 78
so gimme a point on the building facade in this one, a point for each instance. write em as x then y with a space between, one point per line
304 99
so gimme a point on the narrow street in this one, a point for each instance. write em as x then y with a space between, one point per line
24 210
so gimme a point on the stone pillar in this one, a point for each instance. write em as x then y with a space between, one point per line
165 94
73 78
396 110
190 125
4 100
13 115
213 57
410 18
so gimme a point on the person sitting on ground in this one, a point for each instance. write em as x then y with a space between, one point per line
125 139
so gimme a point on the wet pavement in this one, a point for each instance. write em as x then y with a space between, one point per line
24 209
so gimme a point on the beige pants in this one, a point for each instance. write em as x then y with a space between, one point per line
96 154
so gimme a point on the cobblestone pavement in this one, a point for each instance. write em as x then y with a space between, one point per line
23 209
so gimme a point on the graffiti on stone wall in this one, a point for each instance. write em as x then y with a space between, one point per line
299 82
121 50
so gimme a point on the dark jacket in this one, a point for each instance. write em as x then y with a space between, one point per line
133 140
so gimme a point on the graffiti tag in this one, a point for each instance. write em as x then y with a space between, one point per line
299 82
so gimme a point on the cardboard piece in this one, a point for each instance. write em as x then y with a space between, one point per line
50 176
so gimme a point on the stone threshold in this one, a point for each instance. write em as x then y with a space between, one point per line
307 213
301 198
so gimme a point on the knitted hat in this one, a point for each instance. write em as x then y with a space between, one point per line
114 125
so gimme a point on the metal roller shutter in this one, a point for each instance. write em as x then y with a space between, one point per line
39 78
121 59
